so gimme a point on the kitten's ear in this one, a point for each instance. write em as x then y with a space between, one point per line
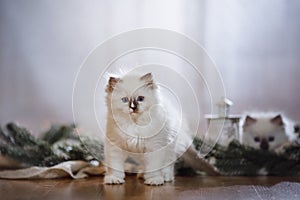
148 78
277 120
249 121
112 82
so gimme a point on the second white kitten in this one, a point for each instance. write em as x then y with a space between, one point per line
267 131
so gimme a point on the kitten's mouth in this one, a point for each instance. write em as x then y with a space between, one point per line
133 111
133 115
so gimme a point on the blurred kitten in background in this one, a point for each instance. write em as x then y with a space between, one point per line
267 131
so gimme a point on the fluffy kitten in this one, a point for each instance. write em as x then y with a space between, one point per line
265 131
141 125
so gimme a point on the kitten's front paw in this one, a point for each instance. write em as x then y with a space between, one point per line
111 179
140 175
169 177
157 180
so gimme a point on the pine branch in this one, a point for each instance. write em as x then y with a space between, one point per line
4 138
20 136
237 159
56 133
19 145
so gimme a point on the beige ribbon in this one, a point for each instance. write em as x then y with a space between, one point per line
72 169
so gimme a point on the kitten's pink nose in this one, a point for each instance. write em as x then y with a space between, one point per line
133 106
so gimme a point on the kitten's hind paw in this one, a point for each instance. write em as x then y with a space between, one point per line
157 180
111 179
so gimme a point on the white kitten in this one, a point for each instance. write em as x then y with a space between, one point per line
137 124
142 125
266 131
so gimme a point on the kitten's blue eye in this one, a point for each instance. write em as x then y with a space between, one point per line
271 138
256 139
140 98
125 99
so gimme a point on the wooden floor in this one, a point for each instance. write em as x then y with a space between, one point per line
214 188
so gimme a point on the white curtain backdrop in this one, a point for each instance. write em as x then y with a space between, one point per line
254 43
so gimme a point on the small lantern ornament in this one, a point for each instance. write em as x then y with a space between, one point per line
223 127
224 107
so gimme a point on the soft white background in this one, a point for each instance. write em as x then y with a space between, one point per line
255 44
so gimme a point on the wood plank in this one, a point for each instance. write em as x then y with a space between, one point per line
199 187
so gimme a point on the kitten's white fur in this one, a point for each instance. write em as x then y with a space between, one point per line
150 135
264 128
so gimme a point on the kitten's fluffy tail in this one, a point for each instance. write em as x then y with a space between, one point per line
192 159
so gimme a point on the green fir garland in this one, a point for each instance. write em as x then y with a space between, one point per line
53 148
240 160
18 144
